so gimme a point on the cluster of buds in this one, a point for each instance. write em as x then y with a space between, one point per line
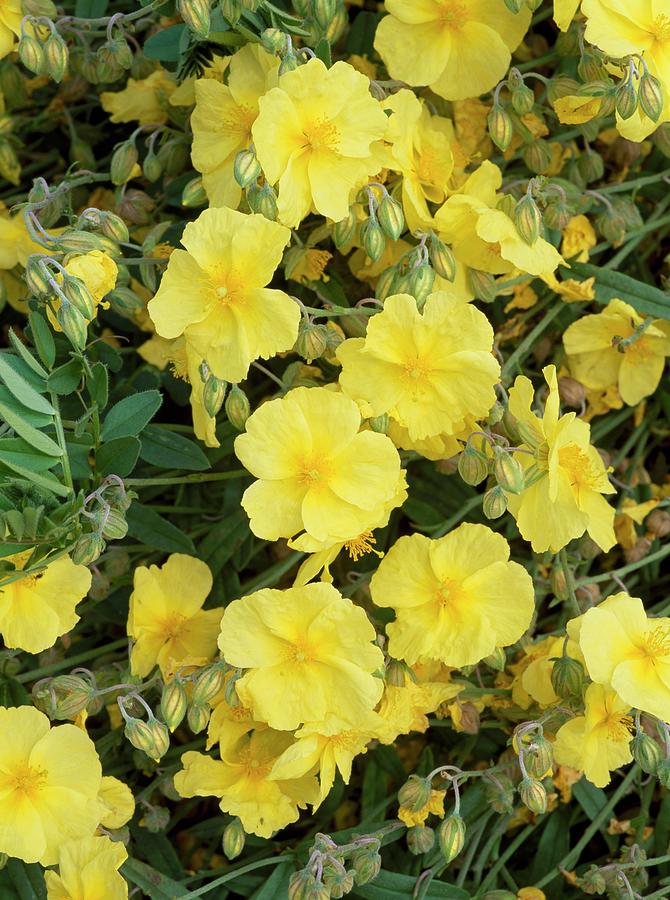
149 735
66 696
260 195
333 871
639 91
105 509
191 696
496 463
625 878
385 220
415 272
535 758
42 50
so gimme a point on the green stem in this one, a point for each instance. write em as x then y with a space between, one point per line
528 342
273 574
60 436
231 876
490 879
569 581
449 523
625 186
71 661
624 570
186 479
571 859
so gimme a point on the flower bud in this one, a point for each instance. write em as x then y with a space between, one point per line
420 283
538 757
663 773
473 466
528 219
36 277
380 424
76 241
56 54
385 283
195 14
151 737
650 96
194 194
451 837
646 753
10 167
658 523
625 99
533 795
124 160
208 684
420 839
263 200
79 296
115 526
72 695
612 226
152 168
537 156
288 64
515 6
300 885
499 792
323 11
343 231
590 165
237 407
591 68
442 258
557 214
40 8
273 40
561 85
198 717
500 127
73 324
572 392
121 53
231 10
391 217
213 395
483 285
396 673
592 881
87 549
415 793
366 864
372 238
497 660
312 341
233 839
246 168
523 100
124 301
337 880
31 54
495 502
507 471
174 703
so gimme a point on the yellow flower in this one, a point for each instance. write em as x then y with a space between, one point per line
184 363
461 48
629 652
305 648
305 264
599 741
166 618
428 370
10 25
214 292
578 238
639 27
618 347
88 868
228 724
97 270
222 120
456 598
316 137
118 802
316 472
433 806
405 709
532 673
439 446
241 779
38 608
420 149
143 101
564 12
565 475
185 95
16 245
324 749
484 237
49 783
576 110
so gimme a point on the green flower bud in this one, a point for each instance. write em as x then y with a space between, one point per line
263 200
273 40
533 795
231 10
391 217
124 160
323 11
198 717
625 99
32 55
194 194
500 127
537 156
507 471
76 241
233 839
538 756
40 8
420 839
421 281
124 301
35 276
396 673
336 879
528 219
515 6
57 55
121 52
646 753
473 466
81 152
208 684
113 227
561 86
213 395
174 703
592 881
237 407
590 165
246 168
651 96
288 64
196 16
385 283
343 231
497 660
87 549
79 296
495 502
372 238
612 226
483 285
151 737
312 341
499 792
366 864
10 167
523 100
73 324
72 695
415 793
557 214
442 258
115 526
451 837
380 424
152 167
590 68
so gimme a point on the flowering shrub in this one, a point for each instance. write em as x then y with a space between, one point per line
334 468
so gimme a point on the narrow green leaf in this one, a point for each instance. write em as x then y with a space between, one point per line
152 529
168 450
323 53
44 480
20 388
118 457
393 886
151 881
36 438
130 415
19 452
42 338
26 355
645 298
276 885
27 881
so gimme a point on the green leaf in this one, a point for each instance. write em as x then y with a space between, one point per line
393 886
20 388
91 9
276 885
44 480
164 45
168 450
155 531
151 881
590 798
118 456
644 298
130 415
65 378
98 384
323 53
17 451
361 36
27 882
37 439
223 539
12 692
42 338
27 356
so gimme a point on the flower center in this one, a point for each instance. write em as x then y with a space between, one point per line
253 766
29 781
322 135
361 545
661 28
314 472
619 728
448 594
453 14
657 642
577 466
172 626
227 285
300 652
416 369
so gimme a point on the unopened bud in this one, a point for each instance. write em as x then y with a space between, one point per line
500 127
237 407
495 502
124 301
35 276
572 392
198 717
420 283
663 773
196 16
31 54
483 285
592 881
625 99
638 551
473 466
497 660
442 258
87 549
380 424
73 324
451 837
56 54
233 839
372 238
420 839
115 527
343 231
151 737
80 242
537 156
415 793
366 864
533 795
152 167
10 167
391 217
507 471
590 165
124 160
72 695
213 395
273 40
40 8
523 100
208 684
323 11
288 64
538 757
396 673
528 219
385 283
194 194
651 96
79 296
515 6
646 753
246 168
231 10
312 341
174 703
658 523
499 792
557 214
263 200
